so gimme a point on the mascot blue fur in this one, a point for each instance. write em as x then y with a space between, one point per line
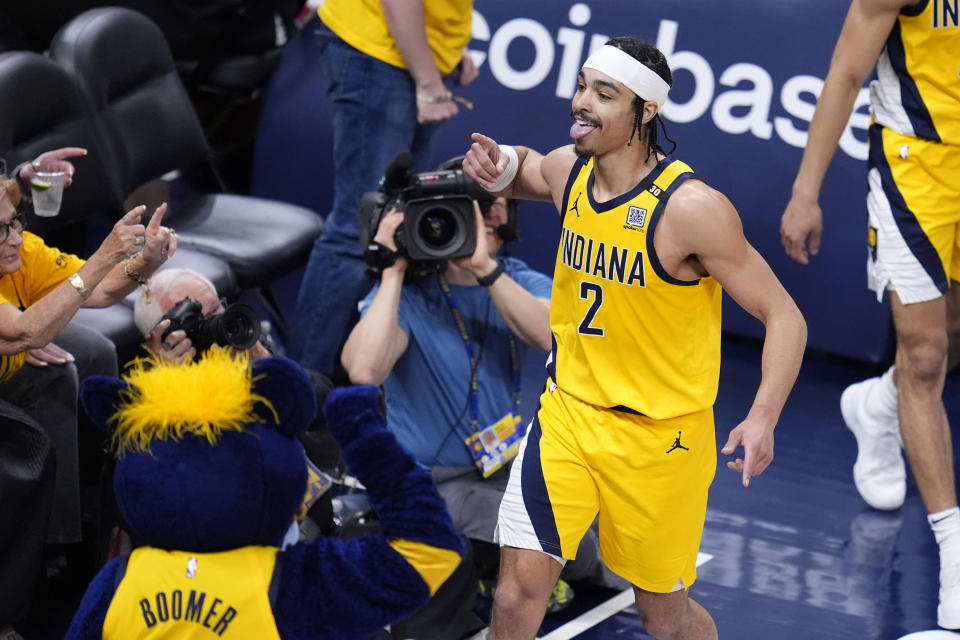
209 477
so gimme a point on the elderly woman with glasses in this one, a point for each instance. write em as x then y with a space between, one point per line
42 357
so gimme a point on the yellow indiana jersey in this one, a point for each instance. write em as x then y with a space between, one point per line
362 25
626 334
917 92
179 594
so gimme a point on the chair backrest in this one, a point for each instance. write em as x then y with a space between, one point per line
41 109
123 65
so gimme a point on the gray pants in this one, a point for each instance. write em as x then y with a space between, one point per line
474 503
50 396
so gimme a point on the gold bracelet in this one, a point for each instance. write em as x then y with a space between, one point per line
133 275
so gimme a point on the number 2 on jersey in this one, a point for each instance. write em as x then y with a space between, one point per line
588 291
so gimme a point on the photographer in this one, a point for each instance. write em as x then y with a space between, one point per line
167 289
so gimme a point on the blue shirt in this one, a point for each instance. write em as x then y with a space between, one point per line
428 391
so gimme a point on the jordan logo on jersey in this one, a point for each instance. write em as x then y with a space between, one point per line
636 216
677 445
576 205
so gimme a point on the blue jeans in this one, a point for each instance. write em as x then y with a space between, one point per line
374 118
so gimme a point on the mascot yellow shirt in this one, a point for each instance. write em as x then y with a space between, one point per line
42 269
179 594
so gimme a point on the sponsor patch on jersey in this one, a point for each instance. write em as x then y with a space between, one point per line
636 216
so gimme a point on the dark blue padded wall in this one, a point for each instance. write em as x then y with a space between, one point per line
747 74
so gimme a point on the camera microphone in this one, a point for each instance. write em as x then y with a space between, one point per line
396 175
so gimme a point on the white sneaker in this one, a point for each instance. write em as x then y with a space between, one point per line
948 612
879 473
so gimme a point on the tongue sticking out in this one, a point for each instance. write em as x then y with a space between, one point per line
578 130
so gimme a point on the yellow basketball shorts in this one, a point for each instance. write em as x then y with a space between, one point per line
648 479
914 215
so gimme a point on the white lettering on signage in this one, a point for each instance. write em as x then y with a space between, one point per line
742 104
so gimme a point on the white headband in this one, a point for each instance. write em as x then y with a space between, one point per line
629 71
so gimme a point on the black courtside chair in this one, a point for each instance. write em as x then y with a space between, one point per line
42 109
126 73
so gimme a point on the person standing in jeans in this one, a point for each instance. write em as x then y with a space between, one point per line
388 67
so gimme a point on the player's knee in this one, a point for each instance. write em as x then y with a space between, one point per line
663 619
661 625
516 596
923 361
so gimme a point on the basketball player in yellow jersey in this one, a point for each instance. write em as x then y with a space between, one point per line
625 427
913 248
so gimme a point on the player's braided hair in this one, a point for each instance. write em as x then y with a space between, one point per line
652 58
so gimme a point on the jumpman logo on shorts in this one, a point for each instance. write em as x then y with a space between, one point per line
576 204
677 445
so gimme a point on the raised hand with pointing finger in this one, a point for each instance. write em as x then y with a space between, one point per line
57 159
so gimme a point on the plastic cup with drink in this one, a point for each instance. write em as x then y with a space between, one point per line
46 186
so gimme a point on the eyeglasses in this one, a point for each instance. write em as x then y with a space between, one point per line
17 223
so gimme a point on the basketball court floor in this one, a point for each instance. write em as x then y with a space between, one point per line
798 555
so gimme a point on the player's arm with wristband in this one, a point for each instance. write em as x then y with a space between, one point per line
518 172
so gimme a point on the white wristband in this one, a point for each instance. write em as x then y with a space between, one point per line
509 172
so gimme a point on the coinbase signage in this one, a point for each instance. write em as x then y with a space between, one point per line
738 99
747 77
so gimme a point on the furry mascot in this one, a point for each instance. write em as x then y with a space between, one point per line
209 477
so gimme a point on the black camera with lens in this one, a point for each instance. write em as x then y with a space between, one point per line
438 217
238 326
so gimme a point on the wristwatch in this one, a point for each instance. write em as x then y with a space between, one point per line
77 283
487 280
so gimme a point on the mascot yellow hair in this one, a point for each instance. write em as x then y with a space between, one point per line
166 400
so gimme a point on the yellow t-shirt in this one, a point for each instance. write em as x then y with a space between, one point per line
42 269
362 25
627 335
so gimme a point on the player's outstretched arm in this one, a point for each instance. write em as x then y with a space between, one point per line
714 234
518 172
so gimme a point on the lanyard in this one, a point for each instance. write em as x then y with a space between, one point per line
472 355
